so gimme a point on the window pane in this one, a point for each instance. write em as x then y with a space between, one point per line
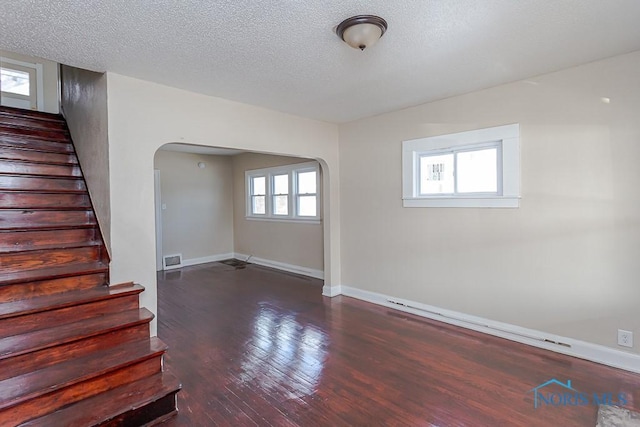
258 185
281 184
258 205
436 174
307 206
281 205
14 81
307 183
478 171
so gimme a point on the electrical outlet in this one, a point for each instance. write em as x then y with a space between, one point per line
625 338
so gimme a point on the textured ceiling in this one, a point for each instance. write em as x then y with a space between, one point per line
283 54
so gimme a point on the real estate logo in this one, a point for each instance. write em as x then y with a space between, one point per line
569 396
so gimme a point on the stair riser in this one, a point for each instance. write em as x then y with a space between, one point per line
51 135
34 289
23 168
18 261
26 219
43 320
18 200
36 156
11 241
9 182
8 119
55 400
158 411
25 363
9 141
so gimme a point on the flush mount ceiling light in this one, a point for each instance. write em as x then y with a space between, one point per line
362 31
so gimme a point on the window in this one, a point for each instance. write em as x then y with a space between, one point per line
307 193
258 191
288 193
20 84
15 81
280 194
478 168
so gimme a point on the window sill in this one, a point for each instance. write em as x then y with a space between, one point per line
462 202
291 220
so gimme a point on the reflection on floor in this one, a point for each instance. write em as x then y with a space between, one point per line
257 346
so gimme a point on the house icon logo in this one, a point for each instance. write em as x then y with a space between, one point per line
537 393
563 394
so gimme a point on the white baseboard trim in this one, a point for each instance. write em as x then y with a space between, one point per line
305 271
206 259
331 291
569 346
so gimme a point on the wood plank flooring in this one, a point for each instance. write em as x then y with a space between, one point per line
257 346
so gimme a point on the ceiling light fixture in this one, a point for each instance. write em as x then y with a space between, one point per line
362 31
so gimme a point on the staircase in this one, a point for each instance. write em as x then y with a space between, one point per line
73 350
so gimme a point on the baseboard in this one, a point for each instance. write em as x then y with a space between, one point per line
206 259
331 291
571 347
305 271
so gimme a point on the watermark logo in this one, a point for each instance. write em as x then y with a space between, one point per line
569 396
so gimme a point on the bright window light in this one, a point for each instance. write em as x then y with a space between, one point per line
477 171
284 193
14 81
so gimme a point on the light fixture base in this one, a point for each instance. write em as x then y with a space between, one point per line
361 31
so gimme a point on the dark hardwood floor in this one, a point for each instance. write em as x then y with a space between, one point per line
256 346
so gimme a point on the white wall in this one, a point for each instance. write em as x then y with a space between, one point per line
144 116
297 244
50 79
84 103
565 262
198 219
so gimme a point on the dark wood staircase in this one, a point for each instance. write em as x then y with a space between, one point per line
74 351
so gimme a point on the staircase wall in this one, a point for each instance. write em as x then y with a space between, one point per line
84 105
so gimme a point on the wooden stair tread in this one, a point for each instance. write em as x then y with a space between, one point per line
56 184
22 159
40 168
38 145
66 299
32 200
25 154
9 120
53 272
50 134
20 219
51 227
16 345
106 406
49 246
25 387
15 137
24 240
31 114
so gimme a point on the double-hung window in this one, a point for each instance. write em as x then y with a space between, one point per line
258 198
287 193
307 193
280 194
478 168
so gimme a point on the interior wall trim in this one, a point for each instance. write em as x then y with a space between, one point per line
305 271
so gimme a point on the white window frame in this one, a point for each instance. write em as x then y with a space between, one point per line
251 195
292 171
506 138
38 71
